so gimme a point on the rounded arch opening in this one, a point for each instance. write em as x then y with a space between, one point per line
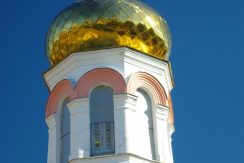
102 120
145 123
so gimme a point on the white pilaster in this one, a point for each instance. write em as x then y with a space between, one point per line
53 142
124 108
79 128
163 144
171 131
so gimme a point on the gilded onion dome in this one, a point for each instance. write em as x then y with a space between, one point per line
99 24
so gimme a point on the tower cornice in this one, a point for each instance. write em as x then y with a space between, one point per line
77 64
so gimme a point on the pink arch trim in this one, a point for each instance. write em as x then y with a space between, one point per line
171 110
100 76
106 76
142 79
60 92
93 78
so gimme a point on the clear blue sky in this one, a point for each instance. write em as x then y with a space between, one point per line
207 60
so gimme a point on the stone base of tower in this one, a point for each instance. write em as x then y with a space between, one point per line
117 158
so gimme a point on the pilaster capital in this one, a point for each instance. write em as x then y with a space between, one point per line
125 101
78 154
161 158
78 105
162 112
51 121
171 129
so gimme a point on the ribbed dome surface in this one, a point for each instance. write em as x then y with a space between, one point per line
99 24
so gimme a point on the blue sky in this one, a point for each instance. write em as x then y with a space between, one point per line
207 61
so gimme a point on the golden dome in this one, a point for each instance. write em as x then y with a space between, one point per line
100 24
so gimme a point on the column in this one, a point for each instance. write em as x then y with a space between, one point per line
171 131
124 108
79 128
162 134
53 150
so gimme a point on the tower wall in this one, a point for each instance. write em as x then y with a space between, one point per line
125 61
125 70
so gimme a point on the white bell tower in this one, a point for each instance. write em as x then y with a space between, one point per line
110 106
110 84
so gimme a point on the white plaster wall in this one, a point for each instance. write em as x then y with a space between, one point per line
129 143
128 146
135 61
125 61
77 64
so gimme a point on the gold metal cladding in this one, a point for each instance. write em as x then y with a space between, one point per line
99 24
107 33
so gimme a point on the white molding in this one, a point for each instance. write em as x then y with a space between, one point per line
171 129
116 158
51 121
162 112
124 60
82 60
76 105
125 101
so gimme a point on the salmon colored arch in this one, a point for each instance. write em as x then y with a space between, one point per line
171 109
100 76
60 92
142 79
